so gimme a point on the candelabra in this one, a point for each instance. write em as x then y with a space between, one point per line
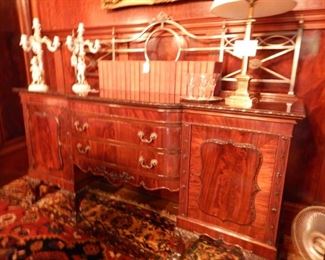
34 43
77 46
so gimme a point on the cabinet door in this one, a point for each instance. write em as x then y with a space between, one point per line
44 135
230 179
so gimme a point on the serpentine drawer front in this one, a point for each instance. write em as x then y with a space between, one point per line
142 143
149 161
128 131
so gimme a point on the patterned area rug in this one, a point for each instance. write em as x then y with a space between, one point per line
37 221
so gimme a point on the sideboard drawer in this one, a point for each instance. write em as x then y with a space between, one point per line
146 161
134 132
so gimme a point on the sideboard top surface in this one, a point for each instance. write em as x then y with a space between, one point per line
285 110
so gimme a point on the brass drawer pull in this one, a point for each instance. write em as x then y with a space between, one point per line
153 163
83 150
79 127
153 136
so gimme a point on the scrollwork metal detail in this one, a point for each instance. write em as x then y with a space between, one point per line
153 163
83 150
79 127
153 136
114 178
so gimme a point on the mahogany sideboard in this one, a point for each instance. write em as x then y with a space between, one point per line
227 164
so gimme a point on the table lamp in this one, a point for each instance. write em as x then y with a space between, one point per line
247 9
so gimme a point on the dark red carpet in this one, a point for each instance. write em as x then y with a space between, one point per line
37 221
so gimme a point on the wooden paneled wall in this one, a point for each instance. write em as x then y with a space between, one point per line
12 73
306 170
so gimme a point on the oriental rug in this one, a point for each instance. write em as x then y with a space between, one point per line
38 221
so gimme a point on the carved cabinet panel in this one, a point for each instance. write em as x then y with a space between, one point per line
229 180
47 137
44 131
228 183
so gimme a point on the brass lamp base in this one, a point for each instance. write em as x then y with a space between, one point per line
239 101
241 96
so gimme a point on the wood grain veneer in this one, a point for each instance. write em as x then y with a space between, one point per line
229 180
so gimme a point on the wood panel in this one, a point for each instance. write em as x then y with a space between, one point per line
12 73
90 12
45 132
229 168
306 170
267 145
48 139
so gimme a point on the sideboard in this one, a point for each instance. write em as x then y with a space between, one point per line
228 164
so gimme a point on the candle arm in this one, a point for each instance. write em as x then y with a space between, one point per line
51 45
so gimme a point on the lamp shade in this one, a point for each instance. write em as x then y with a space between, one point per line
239 9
